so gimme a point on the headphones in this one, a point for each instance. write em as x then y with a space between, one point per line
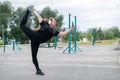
50 20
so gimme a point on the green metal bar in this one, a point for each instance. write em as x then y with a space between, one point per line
65 49
75 35
4 47
93 36
13 45
55 42
48 42
69 40
79 49
74 48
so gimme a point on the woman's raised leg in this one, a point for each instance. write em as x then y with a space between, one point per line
25 29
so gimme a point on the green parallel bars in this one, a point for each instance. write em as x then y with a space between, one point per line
13 42
74 48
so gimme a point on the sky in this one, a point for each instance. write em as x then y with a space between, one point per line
89 13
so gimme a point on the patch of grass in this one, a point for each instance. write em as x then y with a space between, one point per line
108 41
97 42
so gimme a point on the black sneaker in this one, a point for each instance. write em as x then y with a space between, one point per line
39 73
30 8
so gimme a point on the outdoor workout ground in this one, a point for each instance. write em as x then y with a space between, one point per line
99 62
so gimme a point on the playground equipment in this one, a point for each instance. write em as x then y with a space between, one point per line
13 42
75 47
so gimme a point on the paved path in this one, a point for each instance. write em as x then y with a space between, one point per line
93 63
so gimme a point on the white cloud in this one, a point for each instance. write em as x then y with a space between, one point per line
90 13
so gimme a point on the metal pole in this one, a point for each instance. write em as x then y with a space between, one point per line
13 45
54 42
75 34
3 36
69 40
48 43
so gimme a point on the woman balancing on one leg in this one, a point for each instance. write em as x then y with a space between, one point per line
41 34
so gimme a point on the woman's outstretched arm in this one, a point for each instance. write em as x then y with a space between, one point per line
67 31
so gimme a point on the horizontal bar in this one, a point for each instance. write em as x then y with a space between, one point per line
72 15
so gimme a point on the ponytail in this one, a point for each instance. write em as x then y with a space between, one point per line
46 20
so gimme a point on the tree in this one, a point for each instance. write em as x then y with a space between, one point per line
99 34
116 31
89 34
16 32
108 33
5 15
81 36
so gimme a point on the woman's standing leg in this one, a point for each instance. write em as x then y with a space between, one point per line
34 48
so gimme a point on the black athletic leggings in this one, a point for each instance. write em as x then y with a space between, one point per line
30 34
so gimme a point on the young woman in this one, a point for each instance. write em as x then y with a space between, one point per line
41 34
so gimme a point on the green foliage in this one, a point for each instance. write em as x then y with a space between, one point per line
116 32
16 17
110 33
89 34
5 14
18 34
81 36
99 34
47 13
64 38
